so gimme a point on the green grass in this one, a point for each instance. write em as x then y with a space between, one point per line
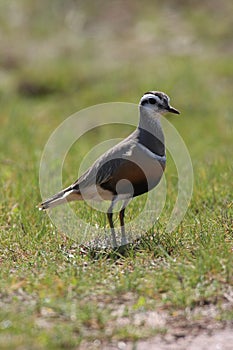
53 293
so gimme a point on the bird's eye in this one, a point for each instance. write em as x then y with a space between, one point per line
152 101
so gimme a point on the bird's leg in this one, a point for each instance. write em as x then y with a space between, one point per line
123 237
110 220
122 222
110 215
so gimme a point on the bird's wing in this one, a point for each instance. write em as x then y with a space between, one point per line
104 167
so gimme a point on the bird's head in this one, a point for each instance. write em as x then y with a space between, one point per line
157 102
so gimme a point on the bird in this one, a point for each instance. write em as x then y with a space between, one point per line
130 168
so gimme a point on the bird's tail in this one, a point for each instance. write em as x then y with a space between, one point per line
64 196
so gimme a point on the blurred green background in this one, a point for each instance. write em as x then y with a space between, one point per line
58 57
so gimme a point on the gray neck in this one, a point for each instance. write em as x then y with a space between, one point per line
150 132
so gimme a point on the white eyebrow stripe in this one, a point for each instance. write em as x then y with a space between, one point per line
147 96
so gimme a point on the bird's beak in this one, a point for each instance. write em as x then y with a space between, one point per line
172 110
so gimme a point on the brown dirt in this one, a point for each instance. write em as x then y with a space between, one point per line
221 339
199 329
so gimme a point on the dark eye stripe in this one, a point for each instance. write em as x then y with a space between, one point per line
152 101
144 102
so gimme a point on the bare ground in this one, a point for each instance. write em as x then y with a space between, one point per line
216 340
197 329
